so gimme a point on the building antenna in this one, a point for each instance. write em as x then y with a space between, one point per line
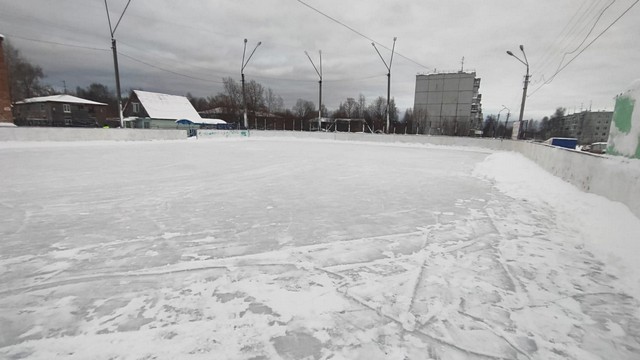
462 67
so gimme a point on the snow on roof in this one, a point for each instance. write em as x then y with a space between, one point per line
202 121
61 99
164 106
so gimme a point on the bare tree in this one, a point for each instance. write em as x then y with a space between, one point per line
100 93
362 106
304 109
275 104
24 77
231 99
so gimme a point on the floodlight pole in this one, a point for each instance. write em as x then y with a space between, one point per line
388 77
320 87
506 122
526 81
112 31
244 64
498 121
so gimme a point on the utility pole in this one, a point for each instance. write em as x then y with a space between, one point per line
504 134
388 77
526 80
320 89
112 31
244 96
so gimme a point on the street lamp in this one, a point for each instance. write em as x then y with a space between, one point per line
244 64
112 31
388 76
320 85
498 121
506 122
526 79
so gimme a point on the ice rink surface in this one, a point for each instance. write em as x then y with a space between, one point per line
307 249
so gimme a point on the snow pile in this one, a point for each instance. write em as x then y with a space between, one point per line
606 227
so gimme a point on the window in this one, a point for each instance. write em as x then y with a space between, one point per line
66 108
136 107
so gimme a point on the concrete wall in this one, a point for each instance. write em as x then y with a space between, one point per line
614 178
83 134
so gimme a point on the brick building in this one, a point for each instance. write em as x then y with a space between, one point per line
60 110
5 97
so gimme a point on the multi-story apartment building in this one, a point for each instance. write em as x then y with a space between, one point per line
586 126
448 104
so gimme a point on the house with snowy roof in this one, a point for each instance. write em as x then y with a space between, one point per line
59 110
150 110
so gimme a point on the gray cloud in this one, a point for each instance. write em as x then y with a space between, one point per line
203 40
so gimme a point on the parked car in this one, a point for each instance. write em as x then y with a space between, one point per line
598 148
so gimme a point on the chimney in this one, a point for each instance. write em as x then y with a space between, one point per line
5 98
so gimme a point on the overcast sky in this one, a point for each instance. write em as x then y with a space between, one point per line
189 46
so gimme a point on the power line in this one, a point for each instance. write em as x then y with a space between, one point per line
360 34
585 48
547 55
58 43
585 38
167 70
161 68
223 73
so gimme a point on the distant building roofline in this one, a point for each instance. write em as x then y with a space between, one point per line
62 98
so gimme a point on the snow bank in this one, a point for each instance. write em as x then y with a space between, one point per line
606 228
80 134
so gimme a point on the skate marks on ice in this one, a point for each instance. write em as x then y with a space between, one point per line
493 279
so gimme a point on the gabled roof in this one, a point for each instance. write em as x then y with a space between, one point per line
164 106
68 99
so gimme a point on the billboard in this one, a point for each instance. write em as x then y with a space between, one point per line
624 136
516 130
211 133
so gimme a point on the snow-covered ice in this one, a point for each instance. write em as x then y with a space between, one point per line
302 249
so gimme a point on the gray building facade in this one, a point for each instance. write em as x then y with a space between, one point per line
448 104
586 126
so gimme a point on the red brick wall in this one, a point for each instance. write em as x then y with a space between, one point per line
5 98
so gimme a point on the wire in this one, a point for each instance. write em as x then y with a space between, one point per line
548 54
585 48
167 70
57 43
583 40
233 74
360 34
